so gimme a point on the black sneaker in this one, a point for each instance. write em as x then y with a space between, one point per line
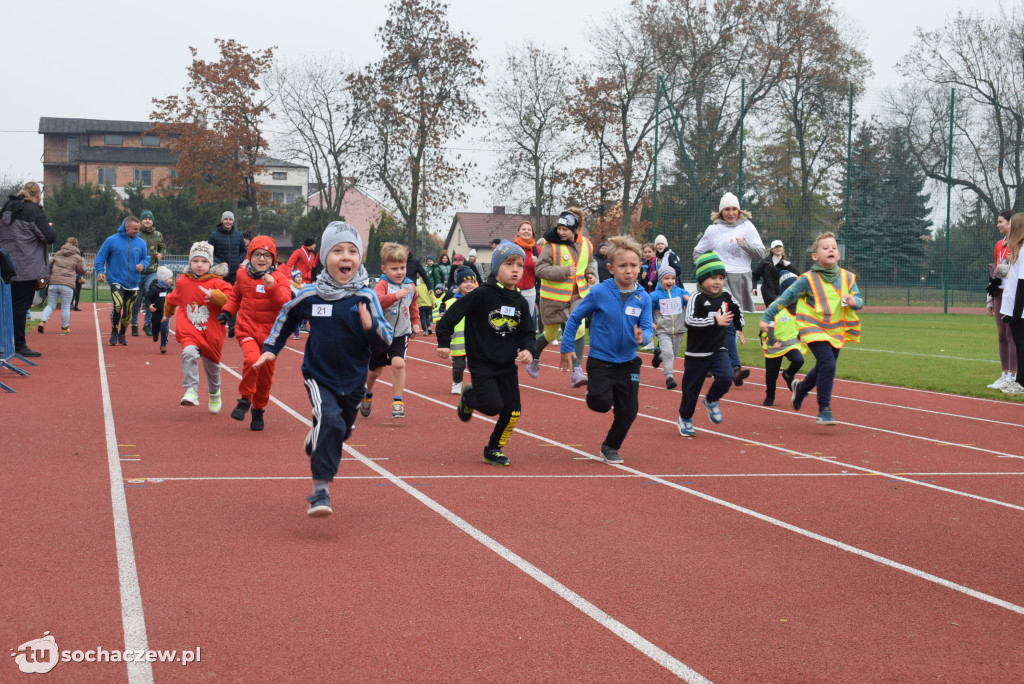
739 374
670 383
609 455
319 505
768 401
148 329
462 411
656 360
787 378
121 341
113 339
495 457
257 420
26 352
135 331
241 408
798 398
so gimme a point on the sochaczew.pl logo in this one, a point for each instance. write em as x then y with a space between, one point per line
42 655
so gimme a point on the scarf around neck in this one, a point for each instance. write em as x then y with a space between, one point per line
829 275
256 275
527 245
330 289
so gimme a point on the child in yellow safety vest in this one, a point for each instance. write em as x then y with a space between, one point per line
465 282
438 308
425 302
566 269
782 341
827 299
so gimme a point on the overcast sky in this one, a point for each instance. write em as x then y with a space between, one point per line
108 61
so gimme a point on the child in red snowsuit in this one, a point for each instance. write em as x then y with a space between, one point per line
198 297
261 289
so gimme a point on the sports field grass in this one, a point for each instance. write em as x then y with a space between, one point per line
943 352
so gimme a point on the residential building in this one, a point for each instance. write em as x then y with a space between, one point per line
359 209
475 230
286 182
102 152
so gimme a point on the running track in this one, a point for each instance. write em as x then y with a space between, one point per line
767 549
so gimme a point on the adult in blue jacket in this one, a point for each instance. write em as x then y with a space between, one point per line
121 260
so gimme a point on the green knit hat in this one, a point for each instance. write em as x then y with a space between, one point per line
709 264
146 214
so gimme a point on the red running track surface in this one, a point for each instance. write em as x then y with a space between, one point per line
766 549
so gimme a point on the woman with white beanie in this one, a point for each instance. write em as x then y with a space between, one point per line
666 257
735 238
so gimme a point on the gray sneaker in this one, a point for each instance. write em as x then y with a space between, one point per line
533 368
610 455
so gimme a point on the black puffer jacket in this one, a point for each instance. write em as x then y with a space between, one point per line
768 272
25 234
228 248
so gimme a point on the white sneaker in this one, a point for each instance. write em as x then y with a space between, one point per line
191 397
1012 387
1002 381
456 388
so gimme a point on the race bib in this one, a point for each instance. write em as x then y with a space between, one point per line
633 310
261 288
508 311
322 309
670 307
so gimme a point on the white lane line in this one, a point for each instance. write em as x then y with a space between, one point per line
556 476
793 528
800 454
628 635
133 620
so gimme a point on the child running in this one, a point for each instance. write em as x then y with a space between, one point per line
708 315
156 297
296 287
346 326
622 320
396 294
566 269
499 332
782 341
465 282
261 289
827 299
668 305
425 302
198 297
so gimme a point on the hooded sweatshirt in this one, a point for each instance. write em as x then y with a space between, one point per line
118 257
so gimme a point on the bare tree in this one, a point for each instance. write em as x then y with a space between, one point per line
982 58
411 103
528 101
313 99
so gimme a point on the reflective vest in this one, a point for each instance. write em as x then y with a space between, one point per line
786 333
458 345
436 313
561 255
829 320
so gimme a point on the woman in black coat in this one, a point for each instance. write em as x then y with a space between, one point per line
769 270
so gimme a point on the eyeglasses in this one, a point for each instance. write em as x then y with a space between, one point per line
262 255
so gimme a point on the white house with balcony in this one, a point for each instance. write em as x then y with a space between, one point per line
286 182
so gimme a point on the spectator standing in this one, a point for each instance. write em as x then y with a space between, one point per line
155 246
228 246
25 234
769 271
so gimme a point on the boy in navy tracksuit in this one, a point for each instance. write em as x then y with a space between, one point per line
155 298
708 314
346 326
622 320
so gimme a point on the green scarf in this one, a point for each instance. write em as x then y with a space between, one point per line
829 275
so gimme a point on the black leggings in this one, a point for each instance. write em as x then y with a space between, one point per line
772 366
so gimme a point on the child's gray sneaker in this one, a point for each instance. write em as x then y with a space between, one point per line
825 417
714 413
610 455
319 505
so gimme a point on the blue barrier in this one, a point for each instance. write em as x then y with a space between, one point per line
7 334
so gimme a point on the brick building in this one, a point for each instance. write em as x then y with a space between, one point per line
103 152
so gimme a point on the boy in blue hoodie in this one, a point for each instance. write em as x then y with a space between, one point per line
346 326
121 260
668 303
622 320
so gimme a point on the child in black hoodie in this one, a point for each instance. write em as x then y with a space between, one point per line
499 332
155 298
708 314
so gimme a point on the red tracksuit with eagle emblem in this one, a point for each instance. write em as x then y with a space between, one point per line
196 321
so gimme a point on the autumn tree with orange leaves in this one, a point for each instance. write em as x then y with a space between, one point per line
216 127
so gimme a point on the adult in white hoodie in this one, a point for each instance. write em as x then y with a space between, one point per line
735 238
